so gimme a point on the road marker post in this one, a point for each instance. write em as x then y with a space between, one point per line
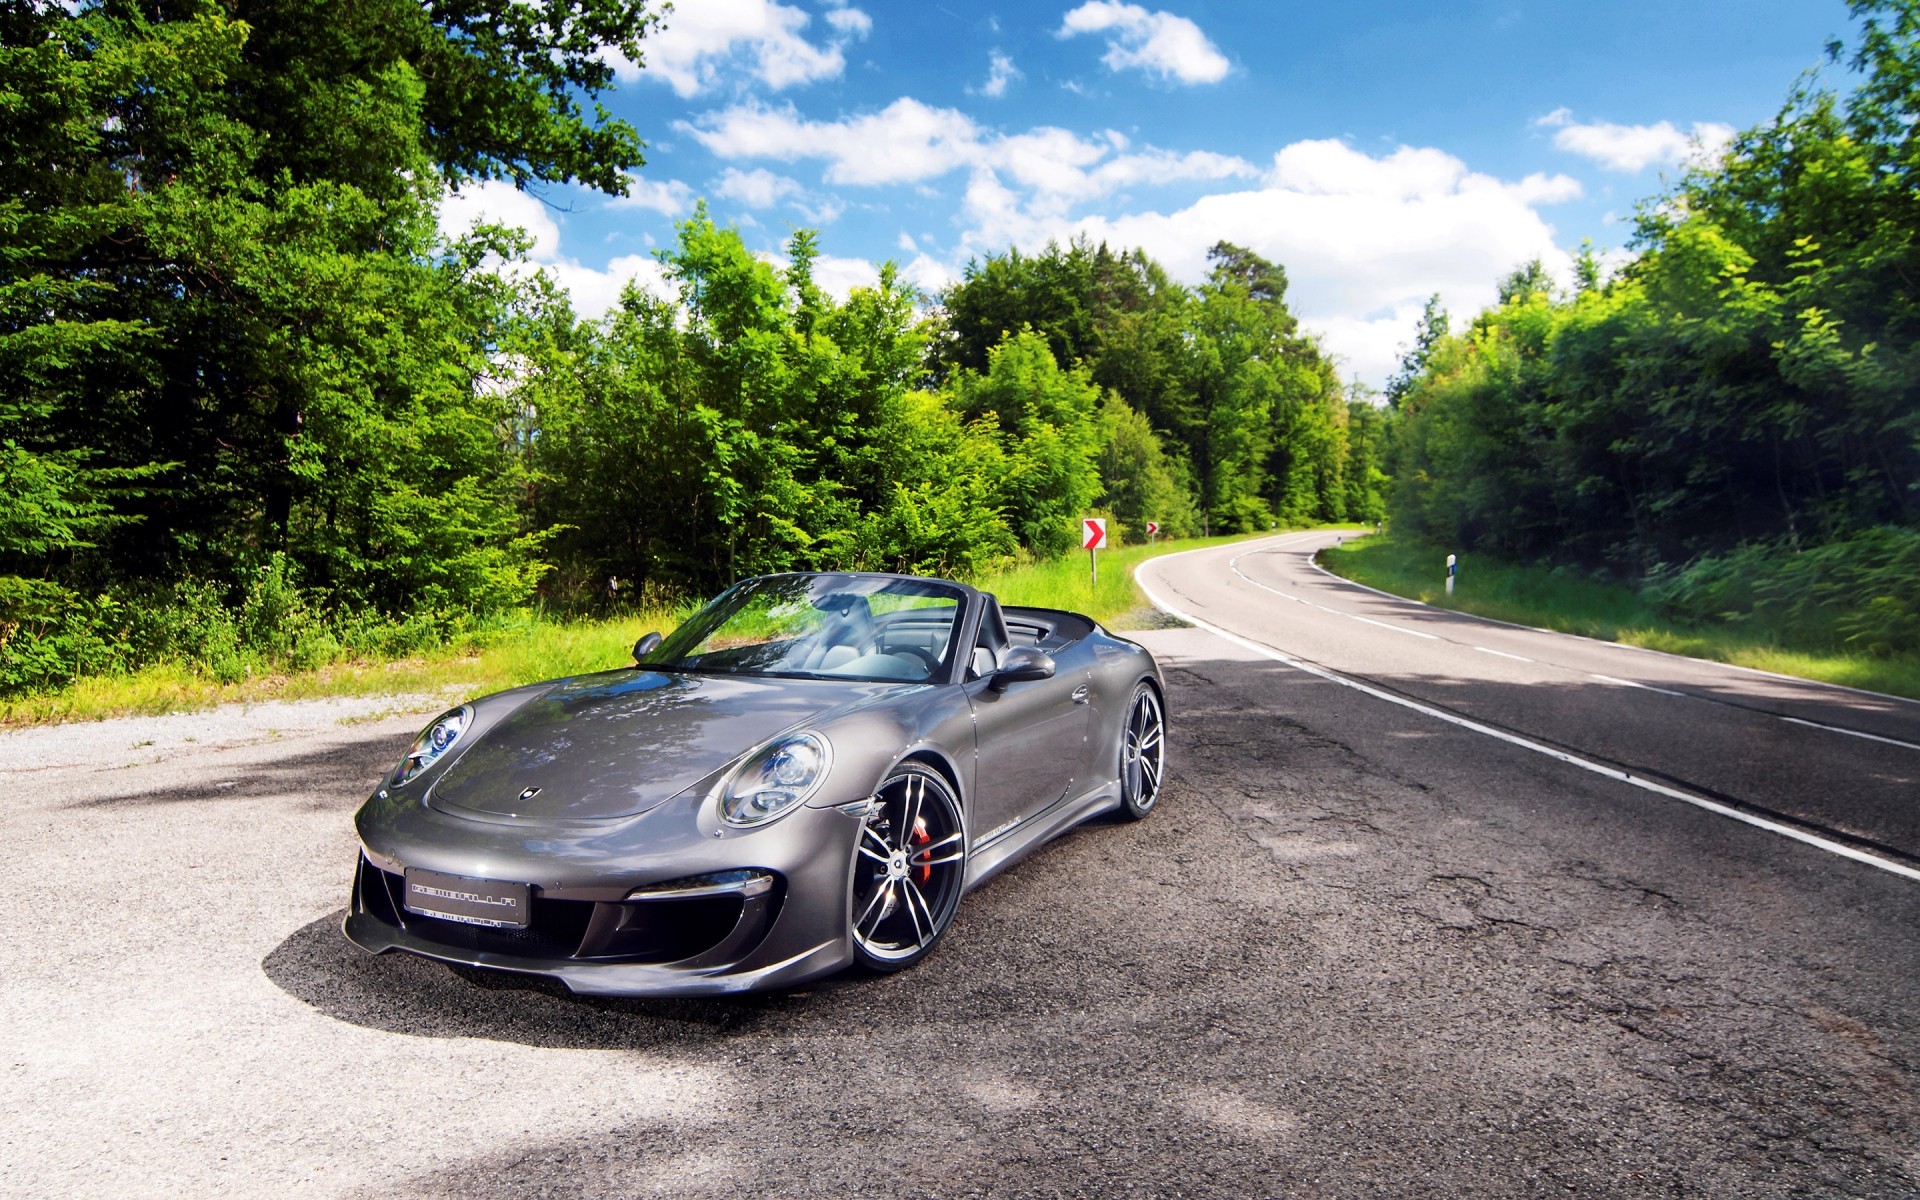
1093 535
1153 527
1452 570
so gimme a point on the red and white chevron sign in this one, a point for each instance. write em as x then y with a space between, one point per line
1093 533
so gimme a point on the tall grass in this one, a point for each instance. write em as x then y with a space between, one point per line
535 647
1565 600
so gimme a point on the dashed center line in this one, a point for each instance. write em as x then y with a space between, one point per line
1645 687
1871 737
1234 565
1502 654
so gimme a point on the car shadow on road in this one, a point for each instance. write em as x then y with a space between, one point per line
408 994
403 993
334 776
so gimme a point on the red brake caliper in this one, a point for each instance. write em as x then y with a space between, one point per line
920 838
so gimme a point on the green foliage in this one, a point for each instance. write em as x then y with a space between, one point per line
256 416
1249 414
1433 327
1049 439
228 338
1728 628
755 426
1859 594
1744 398
1142 483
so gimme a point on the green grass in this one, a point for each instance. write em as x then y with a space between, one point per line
540 647
1066 582
1565 600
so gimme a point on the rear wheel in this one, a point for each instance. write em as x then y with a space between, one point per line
1143 753
908 869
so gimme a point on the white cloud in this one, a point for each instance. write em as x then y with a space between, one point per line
838 276
850 21
1632 148
758 188
1365 240
595 292
668 197
907 243
902 143
698 41
1158 43
823 210
496 202
929 274
910 142
1000 72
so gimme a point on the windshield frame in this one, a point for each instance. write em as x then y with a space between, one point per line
675 652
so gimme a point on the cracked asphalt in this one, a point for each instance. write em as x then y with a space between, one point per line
1357 952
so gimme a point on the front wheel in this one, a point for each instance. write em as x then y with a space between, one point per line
1143 753
908 870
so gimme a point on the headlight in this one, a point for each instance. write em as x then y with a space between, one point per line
779 777
434 741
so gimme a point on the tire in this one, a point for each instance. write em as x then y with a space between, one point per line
1143 753
909 869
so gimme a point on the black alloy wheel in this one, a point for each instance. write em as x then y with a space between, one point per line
908 869
1143 753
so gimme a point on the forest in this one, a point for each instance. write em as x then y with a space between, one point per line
257 413
1732 421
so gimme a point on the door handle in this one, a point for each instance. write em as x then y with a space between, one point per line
1082 694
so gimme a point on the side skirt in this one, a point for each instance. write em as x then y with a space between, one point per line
1016 842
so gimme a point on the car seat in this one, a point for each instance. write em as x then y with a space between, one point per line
849 626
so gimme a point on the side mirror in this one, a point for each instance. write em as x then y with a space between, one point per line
1021 664
645 646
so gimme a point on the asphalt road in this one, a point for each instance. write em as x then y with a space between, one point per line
1360 950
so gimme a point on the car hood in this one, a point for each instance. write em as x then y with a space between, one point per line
619 743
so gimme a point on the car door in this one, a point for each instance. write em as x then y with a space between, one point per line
1031 740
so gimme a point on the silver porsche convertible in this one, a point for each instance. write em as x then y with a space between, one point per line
805 777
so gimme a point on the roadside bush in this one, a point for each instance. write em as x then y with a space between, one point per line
1860 593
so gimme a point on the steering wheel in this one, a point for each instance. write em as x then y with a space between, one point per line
933 664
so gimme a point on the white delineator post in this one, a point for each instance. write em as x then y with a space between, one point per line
1093 535
1452 569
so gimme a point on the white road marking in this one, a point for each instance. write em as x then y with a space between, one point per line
1645 687
1711 662
1502 654
1712 806
1871 737
1234 565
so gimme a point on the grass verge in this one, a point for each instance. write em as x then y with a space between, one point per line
1115 602
540 647
1560 599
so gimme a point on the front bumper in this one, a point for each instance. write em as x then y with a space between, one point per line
783 926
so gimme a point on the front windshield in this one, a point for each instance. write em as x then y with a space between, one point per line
841 626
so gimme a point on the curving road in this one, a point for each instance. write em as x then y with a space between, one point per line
1362 949
1836 768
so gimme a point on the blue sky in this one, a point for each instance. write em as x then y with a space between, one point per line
1381 151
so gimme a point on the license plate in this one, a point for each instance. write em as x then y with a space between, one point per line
468 901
